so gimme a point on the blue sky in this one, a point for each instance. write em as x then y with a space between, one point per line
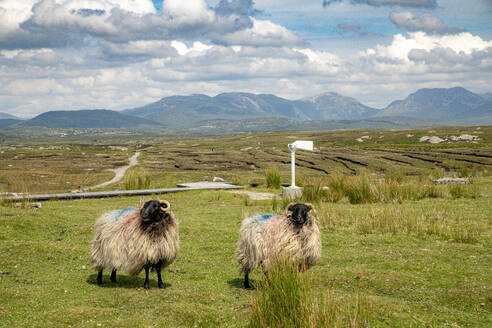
117 54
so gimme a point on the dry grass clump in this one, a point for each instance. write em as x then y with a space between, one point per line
414 221
367 189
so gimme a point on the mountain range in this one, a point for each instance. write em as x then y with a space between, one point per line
237 111
194 109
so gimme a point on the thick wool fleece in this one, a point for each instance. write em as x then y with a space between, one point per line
122 242
264 237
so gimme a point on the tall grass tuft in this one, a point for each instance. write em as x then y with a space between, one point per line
280 298
273 179
394 175
313 191
336 188
134 183
359 190
284 299
464 191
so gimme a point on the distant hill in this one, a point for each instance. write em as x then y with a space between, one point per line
8 122
440 104
186 110
8 116
97 118
333 106
487 96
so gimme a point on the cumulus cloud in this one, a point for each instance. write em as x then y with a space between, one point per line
262 33
377 3
401 46
425 22
61 23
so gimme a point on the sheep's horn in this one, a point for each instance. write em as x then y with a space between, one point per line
165 205
288 208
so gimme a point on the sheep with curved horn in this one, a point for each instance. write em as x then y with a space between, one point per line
136 239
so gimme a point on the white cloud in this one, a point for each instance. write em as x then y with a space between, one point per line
401 46
262 33
189 11
377 3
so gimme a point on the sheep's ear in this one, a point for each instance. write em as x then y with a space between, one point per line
165 205
311 208
289 208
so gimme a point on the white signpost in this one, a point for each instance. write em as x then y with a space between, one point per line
293 191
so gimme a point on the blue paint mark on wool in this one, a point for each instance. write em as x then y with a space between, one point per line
267 216
261 218
117 214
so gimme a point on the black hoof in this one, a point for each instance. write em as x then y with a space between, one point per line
161 285
147 286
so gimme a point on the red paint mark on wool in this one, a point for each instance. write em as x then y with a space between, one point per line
131 217
278 218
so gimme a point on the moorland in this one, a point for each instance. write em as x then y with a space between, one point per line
398 250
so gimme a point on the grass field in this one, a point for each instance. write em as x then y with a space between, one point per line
399 262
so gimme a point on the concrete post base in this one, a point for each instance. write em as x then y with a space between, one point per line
291 192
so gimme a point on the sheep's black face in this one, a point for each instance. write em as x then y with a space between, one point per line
299 213
152 212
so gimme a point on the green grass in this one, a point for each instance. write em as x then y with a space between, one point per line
418 263
398 251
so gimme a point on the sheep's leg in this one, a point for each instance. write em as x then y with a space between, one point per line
146 283
113 275
159 278
246 281
99 277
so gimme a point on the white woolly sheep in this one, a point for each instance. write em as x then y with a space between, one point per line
135 239
262 238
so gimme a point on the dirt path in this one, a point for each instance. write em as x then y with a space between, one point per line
119 172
